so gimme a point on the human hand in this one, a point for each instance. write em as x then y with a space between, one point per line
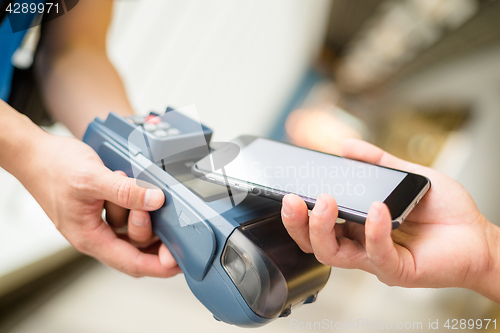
444 242
70 182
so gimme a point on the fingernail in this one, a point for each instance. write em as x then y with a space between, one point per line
153 198
287 209
137 220
320 206
374 212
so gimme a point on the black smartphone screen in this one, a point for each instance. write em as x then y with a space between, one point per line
289 169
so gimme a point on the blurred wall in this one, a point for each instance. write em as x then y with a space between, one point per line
238 61
474 80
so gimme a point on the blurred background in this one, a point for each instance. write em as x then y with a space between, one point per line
419 78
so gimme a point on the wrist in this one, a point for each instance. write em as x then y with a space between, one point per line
19 138
488 285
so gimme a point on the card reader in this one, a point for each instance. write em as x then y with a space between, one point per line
236 255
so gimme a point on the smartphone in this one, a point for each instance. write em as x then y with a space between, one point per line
273 169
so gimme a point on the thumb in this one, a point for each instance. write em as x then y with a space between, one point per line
124 191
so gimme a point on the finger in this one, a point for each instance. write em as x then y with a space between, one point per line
116 216
125 192
140 230
154 246
322 228
354 231
166 258
366 152
379 245
296 220
341 230
123 256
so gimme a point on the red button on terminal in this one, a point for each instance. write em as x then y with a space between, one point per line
153 119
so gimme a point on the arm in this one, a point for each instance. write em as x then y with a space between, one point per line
64 175
444 242
17 133
78 81
71 184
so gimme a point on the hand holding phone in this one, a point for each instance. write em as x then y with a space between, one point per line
444 242
273 169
